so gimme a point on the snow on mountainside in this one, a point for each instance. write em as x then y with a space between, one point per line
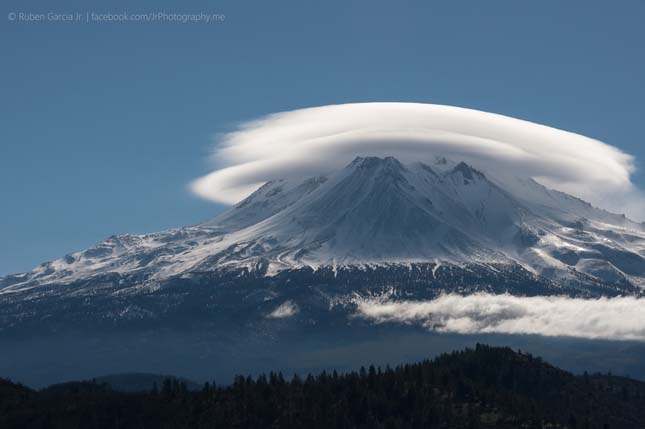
374 211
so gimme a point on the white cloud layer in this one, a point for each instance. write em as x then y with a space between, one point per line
307 142
607 318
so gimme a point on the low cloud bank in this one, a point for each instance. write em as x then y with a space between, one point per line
314 141
621 318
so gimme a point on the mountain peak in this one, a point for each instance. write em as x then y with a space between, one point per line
468 172
370 162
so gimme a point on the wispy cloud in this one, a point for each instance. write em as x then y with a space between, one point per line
307 142
284 310
608 318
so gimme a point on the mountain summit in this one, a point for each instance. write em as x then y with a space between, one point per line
378 210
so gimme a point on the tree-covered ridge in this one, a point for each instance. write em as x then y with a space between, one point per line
485 387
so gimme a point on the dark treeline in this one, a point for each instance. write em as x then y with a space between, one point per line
486 387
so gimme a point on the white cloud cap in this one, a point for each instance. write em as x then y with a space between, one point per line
307 142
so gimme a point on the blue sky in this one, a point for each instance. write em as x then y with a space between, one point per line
105 124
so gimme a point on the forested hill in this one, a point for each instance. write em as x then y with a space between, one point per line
485 387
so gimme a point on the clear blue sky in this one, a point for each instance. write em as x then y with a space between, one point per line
104 124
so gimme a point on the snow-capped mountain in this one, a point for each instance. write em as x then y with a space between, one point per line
374 212
287 269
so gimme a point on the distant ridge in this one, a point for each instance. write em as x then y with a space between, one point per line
140 382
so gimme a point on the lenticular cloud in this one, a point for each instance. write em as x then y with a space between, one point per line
618 318
308 142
